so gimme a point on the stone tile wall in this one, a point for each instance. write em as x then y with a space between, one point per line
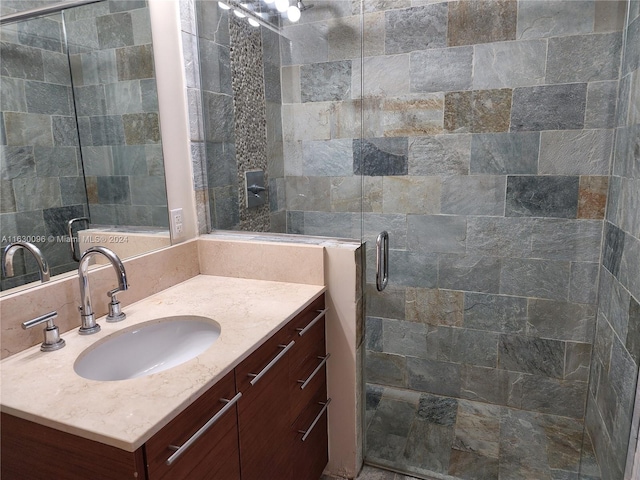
41 179
614 369
484 133
116 106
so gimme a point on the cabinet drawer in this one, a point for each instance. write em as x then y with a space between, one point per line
310 452
306 317
215 450
308 346
311 377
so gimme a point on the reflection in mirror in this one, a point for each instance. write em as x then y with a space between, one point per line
80 135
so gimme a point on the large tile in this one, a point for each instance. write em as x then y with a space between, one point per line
533 355
411 194
505 153
473 195
434 306
561 320
380 156
550 18
542 196
509 64
551 107
601 104
404 338
495 313
440 155
416 28
329 158
583 58
439 378
500 236
478 111
488 385
472 22
469 273
441 69
389 428
584 283
412 115
383 76
614 244
478 428
592 197
322 82
547 395
436 234
386 369
535 278
581 152
556 239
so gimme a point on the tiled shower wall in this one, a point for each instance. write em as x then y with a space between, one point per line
616 357
116 102
487 136
233 79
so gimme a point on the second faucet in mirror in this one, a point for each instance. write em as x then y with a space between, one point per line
88 323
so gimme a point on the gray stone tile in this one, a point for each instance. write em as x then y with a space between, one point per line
473 195
614 243
17 162
123 97
12 95
7 198
561 320
308 43
584 283
509 64
395 225
56 161
28 129
386 369
327 157
601 101
555 239
578 361
434 306
411 194
129 160
141 128
43 32
547 395
505 153
20 61
224 203
114 190
55 219
439 378
469 273
551 107
582 152
472 466
329 81
416 28
618 312
47 98
436 234
632 342
135 62
383 76
428 448
411 115
474 347
535 278
533 355
373 334
90 100
107 130
388 431
115 30
488 385
440 154
383 156
36 193
499 236
583 58
478 111
72 190
148 190
413 269
404 338
632 52
542 196
495 313
550 18
332 224
441 69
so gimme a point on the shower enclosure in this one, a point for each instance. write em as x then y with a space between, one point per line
497 143
80 128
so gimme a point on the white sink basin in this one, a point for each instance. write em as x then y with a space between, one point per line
147 348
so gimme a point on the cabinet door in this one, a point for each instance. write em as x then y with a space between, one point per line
213 452
34 452
310 446
263 411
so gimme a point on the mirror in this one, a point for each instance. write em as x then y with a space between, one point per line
80 135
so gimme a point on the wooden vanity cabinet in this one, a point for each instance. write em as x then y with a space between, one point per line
259 435
214 453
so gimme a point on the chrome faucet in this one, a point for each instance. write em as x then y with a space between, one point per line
88 319
12 248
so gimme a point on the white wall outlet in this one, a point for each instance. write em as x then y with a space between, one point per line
177 225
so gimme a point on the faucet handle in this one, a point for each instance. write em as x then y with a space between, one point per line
52 340
115 309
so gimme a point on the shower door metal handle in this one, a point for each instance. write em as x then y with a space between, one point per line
74 250
382 260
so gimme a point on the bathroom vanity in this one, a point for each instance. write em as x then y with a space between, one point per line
253 404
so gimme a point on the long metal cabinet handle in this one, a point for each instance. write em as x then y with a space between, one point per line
313 374
181 449
321 313
382 260
258 376
307 432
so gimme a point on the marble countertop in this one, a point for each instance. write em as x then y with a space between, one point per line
44 388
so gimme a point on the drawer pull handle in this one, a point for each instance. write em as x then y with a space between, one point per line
321 313
313 374
181 449
305 433
258 376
